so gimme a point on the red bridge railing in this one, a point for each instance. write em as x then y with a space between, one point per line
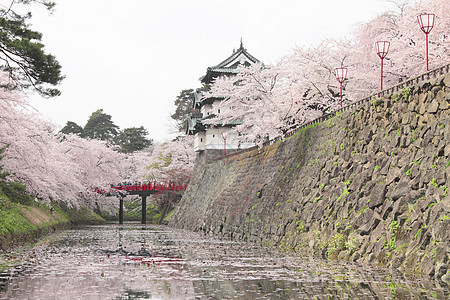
150 187
155 187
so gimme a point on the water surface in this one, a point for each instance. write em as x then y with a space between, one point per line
137 261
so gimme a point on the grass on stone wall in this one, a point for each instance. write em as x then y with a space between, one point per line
12 220
17 219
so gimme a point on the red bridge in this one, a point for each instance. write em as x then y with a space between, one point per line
142 190
156 187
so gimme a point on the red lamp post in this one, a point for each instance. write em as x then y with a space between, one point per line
426 23
382 51
224 136
341 75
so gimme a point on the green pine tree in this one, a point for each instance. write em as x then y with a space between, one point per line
100 126
132 139
22 54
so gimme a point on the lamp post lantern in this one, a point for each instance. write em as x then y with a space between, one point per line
341 75
382 51
426 23
224 136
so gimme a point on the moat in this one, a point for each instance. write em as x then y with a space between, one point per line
135 261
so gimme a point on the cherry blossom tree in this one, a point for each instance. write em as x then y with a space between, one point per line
171 161
67 168
268 99
250 96
52 167
136 164
271 99
406 55
30 156
99 164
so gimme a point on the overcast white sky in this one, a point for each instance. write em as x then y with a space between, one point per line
132 58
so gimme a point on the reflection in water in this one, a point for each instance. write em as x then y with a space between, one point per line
137 261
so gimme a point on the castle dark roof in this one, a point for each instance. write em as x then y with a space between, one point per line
229 65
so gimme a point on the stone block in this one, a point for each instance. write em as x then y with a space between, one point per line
377 195
404 161
415 183
370 224
433 107
442 231
367 134
435 90
399 189
359 180
363 215
414 121
447 150
347 153
446 80
393 175
440 99
405 141
399 207
441 272
413 171
427 138
385 169
441 178
422 106
422 120
386 209
424 203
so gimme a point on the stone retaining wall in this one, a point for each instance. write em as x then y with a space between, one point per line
369 185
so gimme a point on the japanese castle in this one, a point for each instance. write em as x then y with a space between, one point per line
210 139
